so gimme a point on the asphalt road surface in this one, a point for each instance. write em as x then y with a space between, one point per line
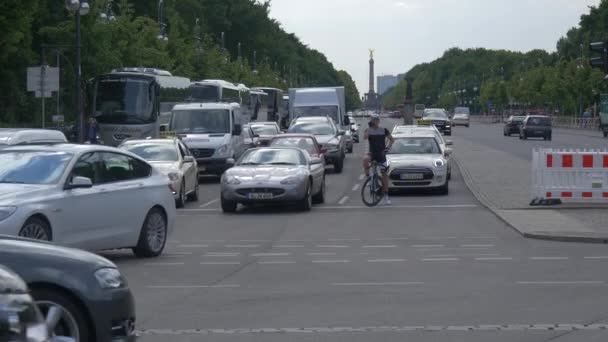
427 268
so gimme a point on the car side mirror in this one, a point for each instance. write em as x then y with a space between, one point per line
189 159
449 143
237 129
230 162
448 152
316 161
164 128
341 132
79 182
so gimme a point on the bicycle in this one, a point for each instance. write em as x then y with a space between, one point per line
373 187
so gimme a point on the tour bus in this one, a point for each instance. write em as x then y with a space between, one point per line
273 103
258 98
132 103
220 91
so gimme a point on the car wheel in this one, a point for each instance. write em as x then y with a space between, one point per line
339 165
520 136
181 197
467 126
350 149
228 206
605 134
320 196
445 189
193 196
504 133
153 235
36 228
524 136
63 317
306 202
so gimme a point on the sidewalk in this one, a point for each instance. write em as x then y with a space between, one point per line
501 182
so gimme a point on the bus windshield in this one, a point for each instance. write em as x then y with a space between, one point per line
124 100
204 93
330 111
201 121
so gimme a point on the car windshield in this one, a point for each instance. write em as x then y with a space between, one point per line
462 110
272 157
200 121
413 145
329 111
316 128
460 115
264 129
33 167
518 118
154 152
304 143
435 114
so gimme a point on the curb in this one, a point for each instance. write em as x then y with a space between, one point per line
472 186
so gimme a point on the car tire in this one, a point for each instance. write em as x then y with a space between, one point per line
228 206
306 202
467 126
339 165
605 134
445 189
524 136
181 197
36 228
193 196
153 228
350 150
73 321
320 196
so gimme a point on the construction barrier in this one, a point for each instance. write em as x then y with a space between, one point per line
563 174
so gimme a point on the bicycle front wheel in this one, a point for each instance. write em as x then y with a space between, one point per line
372 191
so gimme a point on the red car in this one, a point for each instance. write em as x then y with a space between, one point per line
307 142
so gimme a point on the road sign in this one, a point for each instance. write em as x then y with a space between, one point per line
42 78
58 118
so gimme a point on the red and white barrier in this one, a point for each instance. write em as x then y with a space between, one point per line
562 174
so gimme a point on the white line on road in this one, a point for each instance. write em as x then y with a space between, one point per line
598 257
343 239
275 262
242 246
436 237
192 286
548 258
269 254
209 203
356 187
321 253
221 263
376 284
164 264
342 201
384 246
255 240
427 246
461 255
222 254
192 246
332 246
440 259
177 253
362 176
493 258
288 246
386 260
574 282
330 261
447 206
466 246
389 239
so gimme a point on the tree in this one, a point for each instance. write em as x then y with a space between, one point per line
353 101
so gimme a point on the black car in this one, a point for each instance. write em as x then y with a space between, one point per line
439 118
536 126
83 294
512 125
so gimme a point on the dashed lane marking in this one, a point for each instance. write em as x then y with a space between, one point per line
269 254
356 187
379 284
225 286
381 246
343 239
342 201
331 261
205 205
192 246
389 239
549 258
468 246
440 259
275 262
321 253
573 282
220 263
332 246
164 264
242 246
386 260
493 258
427 246
288 246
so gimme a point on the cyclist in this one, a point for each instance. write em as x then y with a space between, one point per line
377 137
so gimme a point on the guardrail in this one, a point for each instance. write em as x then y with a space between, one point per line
569 174
558 121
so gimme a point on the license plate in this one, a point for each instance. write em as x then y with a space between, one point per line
202 169
412 176
260 195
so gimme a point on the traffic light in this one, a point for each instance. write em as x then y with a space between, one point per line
599 62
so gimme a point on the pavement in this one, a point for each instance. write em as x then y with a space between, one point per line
428 268
497 170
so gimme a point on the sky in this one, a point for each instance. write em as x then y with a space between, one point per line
408 32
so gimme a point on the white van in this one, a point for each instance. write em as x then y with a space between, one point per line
27 136
212 132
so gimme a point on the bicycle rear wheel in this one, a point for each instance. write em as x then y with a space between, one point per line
372 191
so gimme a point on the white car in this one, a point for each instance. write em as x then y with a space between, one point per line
86 196
461 119
173 159
27 136
417 161
431 129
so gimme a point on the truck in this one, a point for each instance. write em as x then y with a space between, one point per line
324 101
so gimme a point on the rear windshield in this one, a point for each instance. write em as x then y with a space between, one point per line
539 121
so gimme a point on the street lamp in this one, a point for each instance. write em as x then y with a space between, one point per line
162 27
106 12
79 8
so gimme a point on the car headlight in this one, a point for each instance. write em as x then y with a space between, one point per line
290 180
232 180
222 151
6 211
439 163
110 278
173 176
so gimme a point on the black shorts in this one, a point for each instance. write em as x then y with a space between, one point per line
380 159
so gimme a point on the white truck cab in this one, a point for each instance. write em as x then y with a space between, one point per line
212 132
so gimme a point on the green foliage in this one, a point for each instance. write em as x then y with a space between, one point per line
192 50
353 101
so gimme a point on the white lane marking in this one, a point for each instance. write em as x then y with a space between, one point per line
173 241
332 246
493 258
269 254
209 203
356 187
483 237
548 258
383 246
343 239
321 253
377 284
173 256
448 249
461 255
574 282
275 262
362 176
342 201
386 260
288 246
221 263
164 264
192 286
330 261
222 254
178 253
438 206
436 237
598 257
468 246
255 240
389 239
242 246
192 246
427 246
440 259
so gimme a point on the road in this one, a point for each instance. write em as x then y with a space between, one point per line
427 268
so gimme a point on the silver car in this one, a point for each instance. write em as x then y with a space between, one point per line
274 175
172 158
460 119
416 130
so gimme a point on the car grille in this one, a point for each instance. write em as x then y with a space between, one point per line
273 191
439 124
426 172
412 183
202 152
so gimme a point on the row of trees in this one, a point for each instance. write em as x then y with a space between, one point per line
193 48
493 80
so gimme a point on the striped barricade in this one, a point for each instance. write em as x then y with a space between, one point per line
562 174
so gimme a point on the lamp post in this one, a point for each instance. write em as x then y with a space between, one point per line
106 11
162 27
79 8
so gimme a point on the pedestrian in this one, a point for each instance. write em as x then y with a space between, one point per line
92 131
586 117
